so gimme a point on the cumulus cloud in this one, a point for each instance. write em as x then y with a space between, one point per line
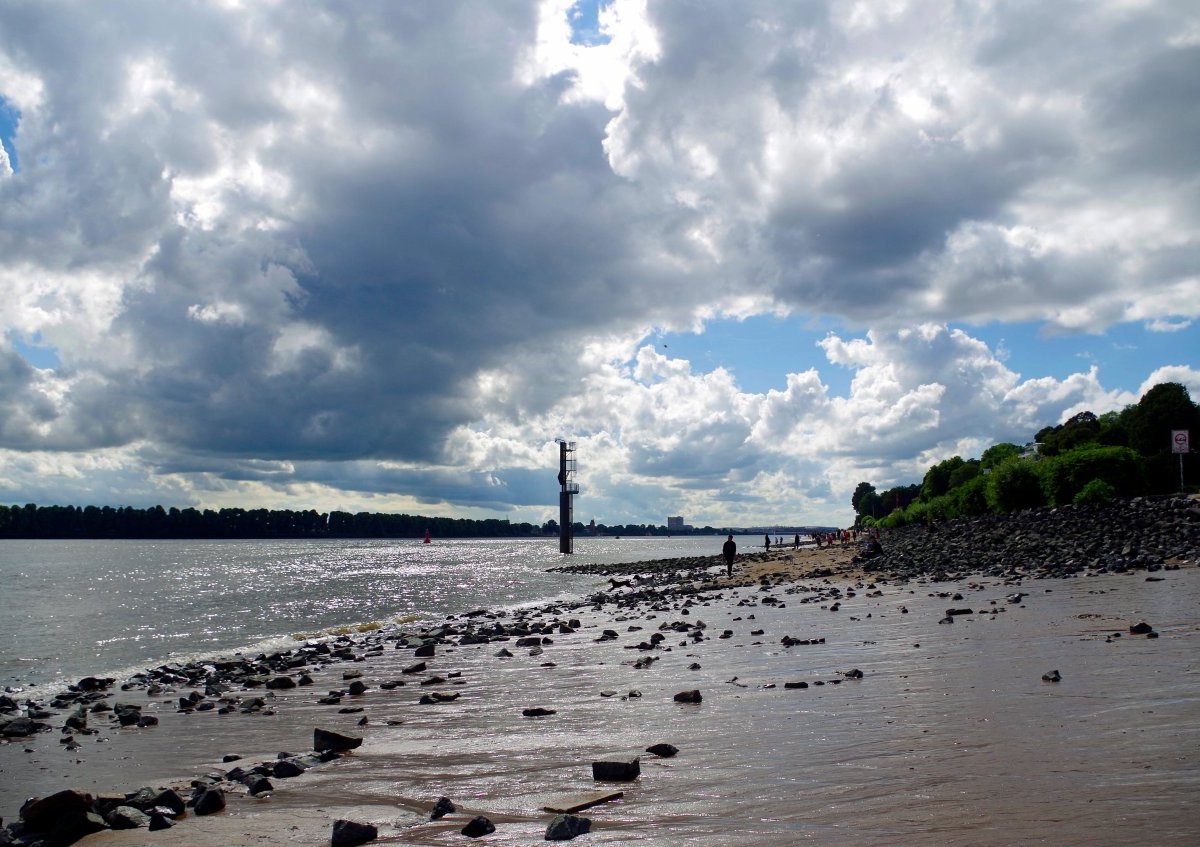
381 255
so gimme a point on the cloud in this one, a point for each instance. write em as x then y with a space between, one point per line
385 254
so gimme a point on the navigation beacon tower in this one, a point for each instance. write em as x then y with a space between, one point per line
568 488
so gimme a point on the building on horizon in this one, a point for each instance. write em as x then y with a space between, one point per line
675 523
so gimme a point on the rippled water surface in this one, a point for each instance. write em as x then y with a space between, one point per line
951 737
73 608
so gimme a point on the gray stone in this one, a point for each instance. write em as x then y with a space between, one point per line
348 833
616 771
478 827
327 739
209 800
127 817
444 806
566 827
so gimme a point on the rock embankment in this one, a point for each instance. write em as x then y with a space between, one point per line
1116 537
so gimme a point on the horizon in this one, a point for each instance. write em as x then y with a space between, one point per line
746 256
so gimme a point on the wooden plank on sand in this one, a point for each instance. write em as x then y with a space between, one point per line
571 804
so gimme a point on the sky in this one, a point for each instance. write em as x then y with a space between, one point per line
378 256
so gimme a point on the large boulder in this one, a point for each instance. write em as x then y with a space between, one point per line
65 816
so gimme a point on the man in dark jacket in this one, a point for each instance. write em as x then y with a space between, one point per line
730 553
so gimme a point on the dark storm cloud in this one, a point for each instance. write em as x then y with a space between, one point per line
328 245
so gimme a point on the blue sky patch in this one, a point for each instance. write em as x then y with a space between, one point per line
585 23
759 351
36 353
8 130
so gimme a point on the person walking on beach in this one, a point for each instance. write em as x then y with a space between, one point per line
729 550
767 541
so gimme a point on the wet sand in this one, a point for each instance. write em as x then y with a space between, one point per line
950 737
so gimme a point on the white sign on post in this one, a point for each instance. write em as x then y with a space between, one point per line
1179 441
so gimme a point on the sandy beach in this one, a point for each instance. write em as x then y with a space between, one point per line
836 708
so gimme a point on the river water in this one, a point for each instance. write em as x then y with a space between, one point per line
951 737
75 608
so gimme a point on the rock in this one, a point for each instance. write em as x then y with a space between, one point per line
1052 676
91 683
67 809
348 833
853 674
425 651
257 784
663 751
616 771
150 799
22 727
795 684
419 667
538 712
953 612
209 800
444 806
77 719
358 687
327 739
281 682
159 821
288 768
566 827
1142 628
127 817
692 696
478 827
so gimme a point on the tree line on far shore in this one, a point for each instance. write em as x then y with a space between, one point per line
33 521
1084 460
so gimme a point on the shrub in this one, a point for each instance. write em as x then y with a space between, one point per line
1015 485
1065 475
1096 491
971 497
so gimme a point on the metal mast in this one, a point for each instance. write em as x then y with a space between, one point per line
568 489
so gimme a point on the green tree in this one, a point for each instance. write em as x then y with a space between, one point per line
964 473
1083 428
998 454
1165 407
1065 475
1095 492
865 500
937 478
1015 485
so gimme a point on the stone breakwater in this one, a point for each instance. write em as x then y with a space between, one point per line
1116 537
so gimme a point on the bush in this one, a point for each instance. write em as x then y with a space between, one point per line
1065 475
1095 492
1015 485
971 497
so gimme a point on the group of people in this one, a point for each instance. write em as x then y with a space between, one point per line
872 547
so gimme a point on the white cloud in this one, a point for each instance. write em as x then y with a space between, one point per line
390 252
